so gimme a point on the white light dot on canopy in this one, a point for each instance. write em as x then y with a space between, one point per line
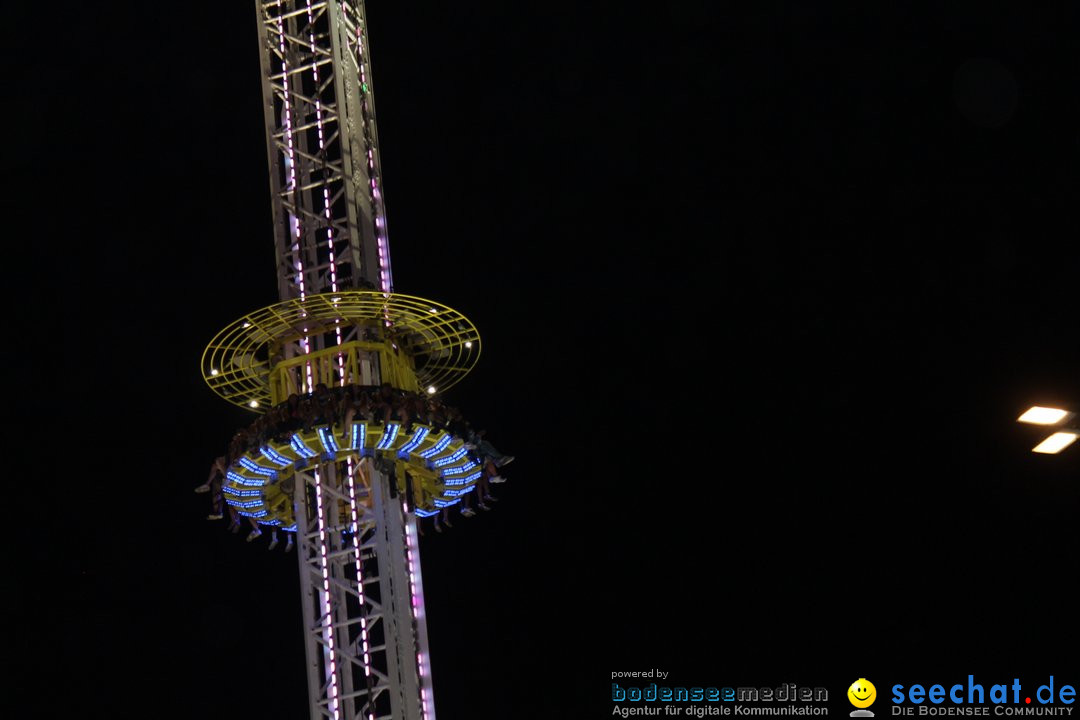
1055 443
1044 416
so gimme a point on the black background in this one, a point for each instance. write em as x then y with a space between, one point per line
761 288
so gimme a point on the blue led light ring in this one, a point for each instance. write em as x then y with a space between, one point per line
450 473
249 478
245 504
275 457
358 436
236 492
414 442
436 476
239 479
251 466
389 435
327 439
451 458
455 453
459 481
286 450
300 447
439 446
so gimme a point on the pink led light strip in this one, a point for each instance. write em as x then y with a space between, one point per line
324 595
380 220
328 629
294 222
359 570
328 633
421 664
326 191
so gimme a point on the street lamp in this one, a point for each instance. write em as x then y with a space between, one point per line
1058 441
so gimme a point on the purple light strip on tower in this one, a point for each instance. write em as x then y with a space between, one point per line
294 226
326 190
380 219
290 162
359 570
414 605
322 148
324 596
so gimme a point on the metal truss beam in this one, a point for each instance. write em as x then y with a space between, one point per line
325 180
361 590
364 626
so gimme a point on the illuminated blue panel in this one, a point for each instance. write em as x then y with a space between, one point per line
460 470
459 493
241 493
301 449
446 503
329 442
247 504
359 436
273 521
438 447
456 481
259 514
290 528
241 480
426 513
388 437
254 467
274 456
414 442
458 454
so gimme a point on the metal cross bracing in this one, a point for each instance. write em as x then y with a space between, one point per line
360 583
365 633
322 145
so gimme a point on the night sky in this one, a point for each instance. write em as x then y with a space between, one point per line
761 292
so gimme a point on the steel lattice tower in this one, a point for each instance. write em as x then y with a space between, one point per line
351 494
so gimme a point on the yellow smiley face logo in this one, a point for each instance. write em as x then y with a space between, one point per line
862 693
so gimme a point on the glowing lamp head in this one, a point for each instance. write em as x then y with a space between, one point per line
431 390
253 403
1044 416
468 344
1055 443
213 371
247 324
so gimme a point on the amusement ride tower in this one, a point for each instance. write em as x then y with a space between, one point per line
352 491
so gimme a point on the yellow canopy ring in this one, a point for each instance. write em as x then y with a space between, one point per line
421 344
